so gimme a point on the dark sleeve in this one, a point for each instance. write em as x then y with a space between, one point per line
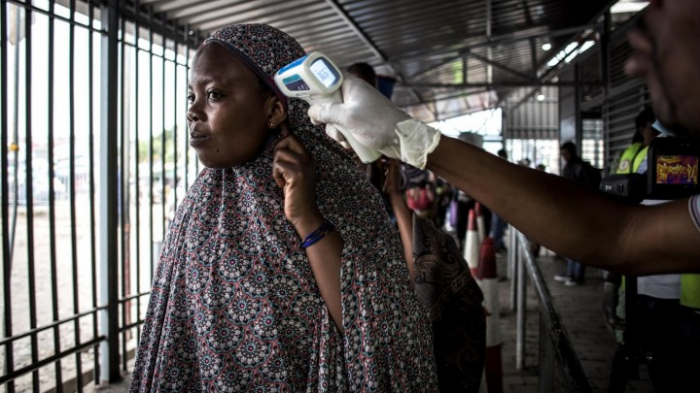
445 285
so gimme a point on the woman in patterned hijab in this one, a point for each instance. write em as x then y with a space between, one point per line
237 304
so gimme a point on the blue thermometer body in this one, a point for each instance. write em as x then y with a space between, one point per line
316 80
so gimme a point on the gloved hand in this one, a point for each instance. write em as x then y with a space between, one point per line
377 123
334 133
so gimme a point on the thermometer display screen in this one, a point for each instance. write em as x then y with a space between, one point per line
324 73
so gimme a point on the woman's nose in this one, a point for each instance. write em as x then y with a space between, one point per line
193 113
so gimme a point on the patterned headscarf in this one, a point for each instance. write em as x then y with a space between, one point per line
235 306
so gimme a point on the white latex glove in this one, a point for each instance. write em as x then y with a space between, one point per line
337 135
377 123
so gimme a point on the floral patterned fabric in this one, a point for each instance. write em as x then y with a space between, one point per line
445 285
235 307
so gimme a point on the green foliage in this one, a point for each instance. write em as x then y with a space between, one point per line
158 148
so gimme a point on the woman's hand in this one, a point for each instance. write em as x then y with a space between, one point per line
294 171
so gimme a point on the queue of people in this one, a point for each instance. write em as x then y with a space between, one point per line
282 270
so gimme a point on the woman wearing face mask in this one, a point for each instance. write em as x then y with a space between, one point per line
281 270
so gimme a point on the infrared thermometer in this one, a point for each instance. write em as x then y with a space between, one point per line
316 80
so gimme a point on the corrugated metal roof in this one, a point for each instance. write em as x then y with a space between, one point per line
425 45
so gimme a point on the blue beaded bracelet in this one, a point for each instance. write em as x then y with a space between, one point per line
317 235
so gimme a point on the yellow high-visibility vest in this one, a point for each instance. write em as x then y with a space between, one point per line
627 157
690 290
632 158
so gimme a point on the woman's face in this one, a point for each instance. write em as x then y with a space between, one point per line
230 114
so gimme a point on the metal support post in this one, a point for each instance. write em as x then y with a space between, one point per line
513 268
108 195
520 337
546 356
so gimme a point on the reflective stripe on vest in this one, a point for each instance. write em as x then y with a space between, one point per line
690 290
639 159
690 283
628 157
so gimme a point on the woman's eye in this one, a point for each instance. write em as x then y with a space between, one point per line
190 98
212 95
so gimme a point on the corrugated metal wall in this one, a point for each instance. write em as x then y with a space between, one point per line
533 119
627 97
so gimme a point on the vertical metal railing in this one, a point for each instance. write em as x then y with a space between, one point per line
31 284
109 193
555 349
158 65
137 157
52 204
72 313
4 190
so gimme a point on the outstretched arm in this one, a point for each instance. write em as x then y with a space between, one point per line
404 215
571 219
555 212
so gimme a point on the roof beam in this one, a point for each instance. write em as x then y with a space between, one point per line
533 58
496 40
446 98
497 85
551 71
366 39
526 11
501 66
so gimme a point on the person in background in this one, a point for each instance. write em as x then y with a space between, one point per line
633 156
632 160
658 296
442 279
445 285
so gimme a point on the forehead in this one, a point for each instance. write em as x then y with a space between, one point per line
214 62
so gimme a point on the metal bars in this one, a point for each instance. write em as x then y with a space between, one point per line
31 287
555 346
123 180
72 191
137 112
109 194
52 202
521 303
91 187
4 188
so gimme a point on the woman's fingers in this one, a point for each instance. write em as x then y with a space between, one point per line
290 159
289 142
294 171
284 172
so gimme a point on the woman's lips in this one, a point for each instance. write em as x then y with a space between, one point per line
197 138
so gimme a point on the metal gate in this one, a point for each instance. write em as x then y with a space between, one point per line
94 158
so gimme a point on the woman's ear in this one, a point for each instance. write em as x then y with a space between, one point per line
275 112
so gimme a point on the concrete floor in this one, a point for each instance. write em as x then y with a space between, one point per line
580 310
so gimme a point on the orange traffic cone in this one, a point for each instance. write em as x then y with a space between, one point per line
488 280
471 244
480 221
